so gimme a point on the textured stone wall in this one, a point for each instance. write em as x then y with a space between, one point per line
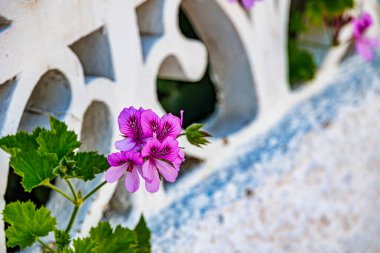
311 183
84 60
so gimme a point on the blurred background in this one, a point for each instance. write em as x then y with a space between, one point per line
288 88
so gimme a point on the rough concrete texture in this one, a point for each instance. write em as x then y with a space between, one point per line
311 184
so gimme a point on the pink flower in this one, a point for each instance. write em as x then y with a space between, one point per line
159 161
168 126
127 162
361 24
247 4
179 160
364 46
149 148
130 126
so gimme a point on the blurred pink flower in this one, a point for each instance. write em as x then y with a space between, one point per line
247 4
364 46
127 162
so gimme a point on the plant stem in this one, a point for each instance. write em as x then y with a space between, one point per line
72 218
71 188
78 202
45 245
182 134
64 194
94 190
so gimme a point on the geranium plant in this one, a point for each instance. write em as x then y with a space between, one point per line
149 149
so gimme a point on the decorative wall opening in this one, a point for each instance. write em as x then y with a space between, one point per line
149 18
150 22
51 96
6 93
230 68
94 53
97 128
197 99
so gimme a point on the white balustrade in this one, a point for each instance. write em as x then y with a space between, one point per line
83 61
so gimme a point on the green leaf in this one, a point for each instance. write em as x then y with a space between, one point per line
317 10
104 239
26 161
85 245
62 239
88 164
101 232
26 223
143 236
35 169
302 66
57 140
122 240
22 141
68 250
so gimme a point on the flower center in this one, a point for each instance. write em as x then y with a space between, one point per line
130 166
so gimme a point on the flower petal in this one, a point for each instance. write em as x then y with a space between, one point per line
365 47
138 168
132 181
148 170
169 149
152 143
179 160
137 158
167 170
115 159
114 173
170 126
130 122
248 3
154 185
150 123
126 144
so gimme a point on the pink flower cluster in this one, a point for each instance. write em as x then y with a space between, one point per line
149 149
364 45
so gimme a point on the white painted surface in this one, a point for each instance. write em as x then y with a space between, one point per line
121 47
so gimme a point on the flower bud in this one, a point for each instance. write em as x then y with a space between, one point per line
196 136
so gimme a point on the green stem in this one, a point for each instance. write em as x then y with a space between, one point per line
78 202
72 218
64 194
71 188
94 190
182 134
45 245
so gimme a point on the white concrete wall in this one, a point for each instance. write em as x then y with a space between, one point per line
85 60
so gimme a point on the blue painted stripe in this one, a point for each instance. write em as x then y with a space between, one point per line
354 81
